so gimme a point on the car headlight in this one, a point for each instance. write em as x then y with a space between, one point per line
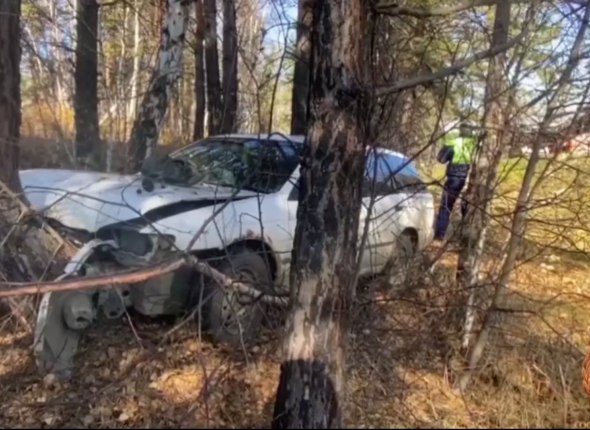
140 244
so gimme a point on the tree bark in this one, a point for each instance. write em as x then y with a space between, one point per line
149 122
29 249
483 175
492 316
10 114
214 94
230 68
132 108
88 145
199 128
311 385
301 74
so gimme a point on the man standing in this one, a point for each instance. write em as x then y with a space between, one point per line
457 153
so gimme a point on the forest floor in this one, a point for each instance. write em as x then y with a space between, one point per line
399 359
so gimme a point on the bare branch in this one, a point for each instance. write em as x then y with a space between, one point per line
394 9
448 71
14 289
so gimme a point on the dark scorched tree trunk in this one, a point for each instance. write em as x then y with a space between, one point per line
88 145
30 249
230 67
199 129
310 390
214 95
301 74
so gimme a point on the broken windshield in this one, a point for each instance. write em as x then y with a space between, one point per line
258 165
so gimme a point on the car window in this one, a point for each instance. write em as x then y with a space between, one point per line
391 174
244 163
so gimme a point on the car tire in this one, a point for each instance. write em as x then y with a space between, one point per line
398 269
222 305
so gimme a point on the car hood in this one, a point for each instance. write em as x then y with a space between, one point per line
90 200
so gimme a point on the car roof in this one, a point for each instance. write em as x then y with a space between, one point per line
262 136
407 167
297 138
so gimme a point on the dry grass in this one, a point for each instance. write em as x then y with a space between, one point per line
398 371
400 364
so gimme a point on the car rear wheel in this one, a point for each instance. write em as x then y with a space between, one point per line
398 269
234 317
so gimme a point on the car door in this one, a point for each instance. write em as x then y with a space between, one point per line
396 204
382 207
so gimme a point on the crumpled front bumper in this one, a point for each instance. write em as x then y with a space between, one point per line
62 316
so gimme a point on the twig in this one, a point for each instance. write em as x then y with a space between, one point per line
70 250
451 70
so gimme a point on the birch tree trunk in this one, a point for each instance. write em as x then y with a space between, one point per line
230 67
57 55
149 122
483 175
311 385
199 128
132 109
301 74
214 94
87 143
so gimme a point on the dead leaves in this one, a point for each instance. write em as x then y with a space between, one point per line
186 383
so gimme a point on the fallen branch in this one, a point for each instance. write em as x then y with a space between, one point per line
226 282
17 289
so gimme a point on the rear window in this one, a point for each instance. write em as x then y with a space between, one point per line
388 165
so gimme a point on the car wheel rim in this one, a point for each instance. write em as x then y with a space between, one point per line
237 309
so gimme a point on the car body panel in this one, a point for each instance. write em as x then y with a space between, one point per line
92 201
123 217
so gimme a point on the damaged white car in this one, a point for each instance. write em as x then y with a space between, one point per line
231 200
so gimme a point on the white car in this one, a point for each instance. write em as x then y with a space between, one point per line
231 200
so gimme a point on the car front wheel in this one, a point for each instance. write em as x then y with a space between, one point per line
235 317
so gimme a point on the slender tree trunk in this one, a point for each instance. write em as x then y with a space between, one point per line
311 385
214 94
492 316
199 129
10 114
301 75
122 86
249 36
149 122
57 55
230 67
136 59
32 249
86 77
483 175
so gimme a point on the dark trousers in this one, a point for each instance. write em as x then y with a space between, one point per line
452 189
